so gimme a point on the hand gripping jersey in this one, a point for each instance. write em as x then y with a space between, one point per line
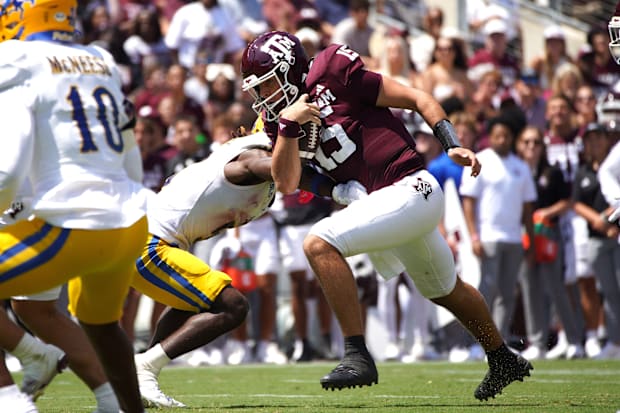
62 109
198 202
359 140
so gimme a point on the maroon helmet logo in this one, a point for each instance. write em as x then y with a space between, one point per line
280 48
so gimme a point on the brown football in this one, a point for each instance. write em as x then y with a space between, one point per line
309 142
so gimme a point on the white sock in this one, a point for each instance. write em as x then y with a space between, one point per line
28 346
156 357
591 334
9 391
106 399
562 338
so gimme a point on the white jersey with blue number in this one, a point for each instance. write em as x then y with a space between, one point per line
61 111
198 202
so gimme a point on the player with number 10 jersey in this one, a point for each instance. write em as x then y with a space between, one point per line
62 116
80 159
63 111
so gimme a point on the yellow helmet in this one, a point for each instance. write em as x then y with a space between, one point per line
37 19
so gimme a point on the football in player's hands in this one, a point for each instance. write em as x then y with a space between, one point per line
309 142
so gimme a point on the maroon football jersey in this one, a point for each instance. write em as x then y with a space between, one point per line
359 140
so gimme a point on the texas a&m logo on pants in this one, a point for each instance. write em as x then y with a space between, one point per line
423 187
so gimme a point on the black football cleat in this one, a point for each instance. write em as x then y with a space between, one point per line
354 370
501 373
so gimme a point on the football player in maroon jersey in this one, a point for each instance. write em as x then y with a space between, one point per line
397 220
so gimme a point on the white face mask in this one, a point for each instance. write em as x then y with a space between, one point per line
614 36
283 96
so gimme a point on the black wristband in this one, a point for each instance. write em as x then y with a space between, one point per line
289 129
445 133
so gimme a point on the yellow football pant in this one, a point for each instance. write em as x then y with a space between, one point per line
36 256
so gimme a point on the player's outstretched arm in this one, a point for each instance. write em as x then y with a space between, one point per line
396 95
251 167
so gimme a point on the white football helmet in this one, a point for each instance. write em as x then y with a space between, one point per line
614 38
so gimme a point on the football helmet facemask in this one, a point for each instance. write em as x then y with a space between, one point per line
37 19
614 36
279 56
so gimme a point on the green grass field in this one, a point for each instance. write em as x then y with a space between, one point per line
555 386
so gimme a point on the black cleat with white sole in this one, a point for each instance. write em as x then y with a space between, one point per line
354 370
503 370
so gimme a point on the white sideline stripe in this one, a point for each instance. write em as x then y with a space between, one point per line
283 396
299 381
576 380
546 380
580 371
393 396
541 372
306 396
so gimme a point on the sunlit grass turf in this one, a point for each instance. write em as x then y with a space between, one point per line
555 386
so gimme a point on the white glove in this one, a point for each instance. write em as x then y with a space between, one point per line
613 218
348 192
